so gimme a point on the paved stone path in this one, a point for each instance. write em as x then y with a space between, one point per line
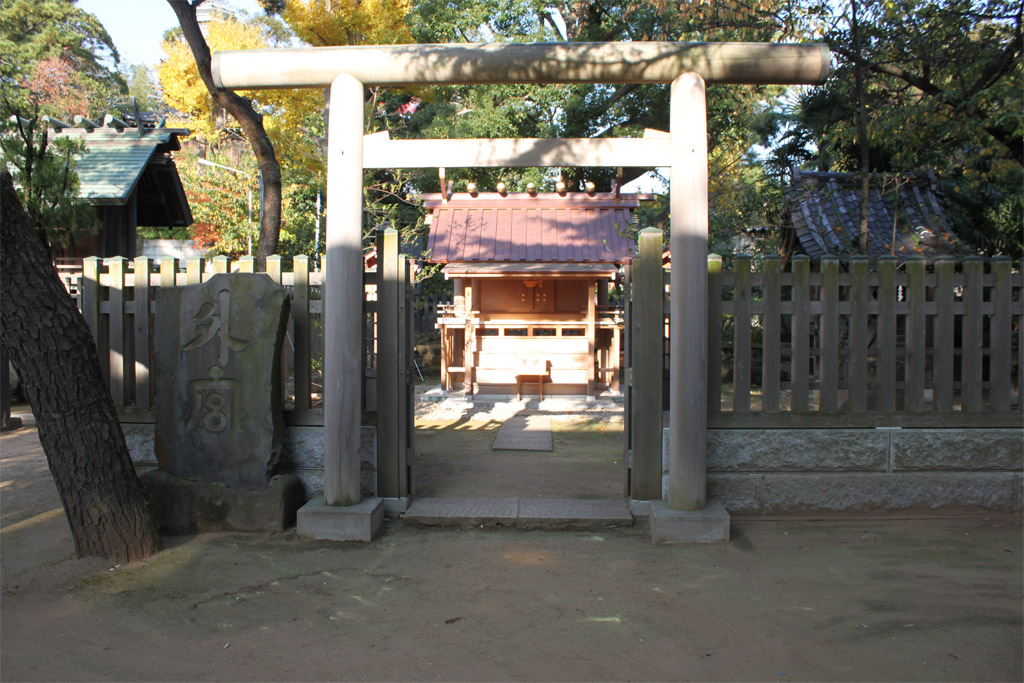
525 433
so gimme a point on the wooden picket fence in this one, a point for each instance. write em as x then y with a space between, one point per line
846 344
824 344
112 292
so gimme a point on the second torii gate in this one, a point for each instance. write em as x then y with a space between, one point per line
687 66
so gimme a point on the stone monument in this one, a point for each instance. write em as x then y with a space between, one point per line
218 348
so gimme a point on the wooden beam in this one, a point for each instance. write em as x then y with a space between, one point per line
379 152
624 62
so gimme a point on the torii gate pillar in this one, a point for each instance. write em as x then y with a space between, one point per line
688 517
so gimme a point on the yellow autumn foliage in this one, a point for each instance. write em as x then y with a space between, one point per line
349 22
285 111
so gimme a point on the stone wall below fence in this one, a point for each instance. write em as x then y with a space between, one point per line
862 471
302 454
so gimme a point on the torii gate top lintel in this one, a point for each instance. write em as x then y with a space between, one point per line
473 63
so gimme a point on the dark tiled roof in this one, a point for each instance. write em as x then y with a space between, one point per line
115 163
543 228
824 209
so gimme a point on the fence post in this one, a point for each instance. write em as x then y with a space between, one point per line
116 370
91 296
194 271
972 349
1000 331
247 264
858 350
714 371
913 393
771 342
168 272
143 295
886 368
829 325
741 361
647 349
798 378
274 268
221 264
945 341
300 316
389 395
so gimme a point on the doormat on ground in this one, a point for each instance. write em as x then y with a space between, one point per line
524 433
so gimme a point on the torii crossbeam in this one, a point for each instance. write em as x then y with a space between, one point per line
687 66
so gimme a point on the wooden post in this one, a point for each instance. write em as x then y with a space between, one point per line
858 365
741 361
591 337
714 371
829 335
222 264
91 296
913 393
945 341
771 346
389 396
115 342
143 295
648 333
168 272
300 316
885 370
274 268
469 341
799 334
689 316
972 350
343 293
194 271
247 264
1001 332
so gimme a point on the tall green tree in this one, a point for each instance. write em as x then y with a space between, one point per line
55 60
942 93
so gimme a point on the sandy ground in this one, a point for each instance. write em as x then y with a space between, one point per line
924 600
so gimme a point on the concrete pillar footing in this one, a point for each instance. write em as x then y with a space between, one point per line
359 522
710 525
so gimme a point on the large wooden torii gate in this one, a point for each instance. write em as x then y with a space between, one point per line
347 70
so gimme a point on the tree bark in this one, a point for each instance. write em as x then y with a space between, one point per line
50 345
251 123
862 130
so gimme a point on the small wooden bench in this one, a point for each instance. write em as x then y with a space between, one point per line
530 371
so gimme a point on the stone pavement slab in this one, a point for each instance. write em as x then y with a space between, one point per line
522 513
525 433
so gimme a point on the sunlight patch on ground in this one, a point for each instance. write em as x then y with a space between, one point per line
32 521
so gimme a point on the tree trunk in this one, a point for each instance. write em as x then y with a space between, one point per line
49 343
862 128
248 119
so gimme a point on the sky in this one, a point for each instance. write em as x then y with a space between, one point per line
137 28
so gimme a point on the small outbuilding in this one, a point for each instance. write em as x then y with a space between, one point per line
531 274
129 175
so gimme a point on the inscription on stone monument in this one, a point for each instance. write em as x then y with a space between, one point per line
219 392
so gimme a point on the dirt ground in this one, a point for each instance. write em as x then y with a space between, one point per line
897 600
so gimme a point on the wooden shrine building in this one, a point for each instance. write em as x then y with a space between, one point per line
129 175
531 275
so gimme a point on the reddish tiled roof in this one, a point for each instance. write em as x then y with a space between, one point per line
542 228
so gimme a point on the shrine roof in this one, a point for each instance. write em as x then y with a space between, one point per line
118 161
523 228
825 213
